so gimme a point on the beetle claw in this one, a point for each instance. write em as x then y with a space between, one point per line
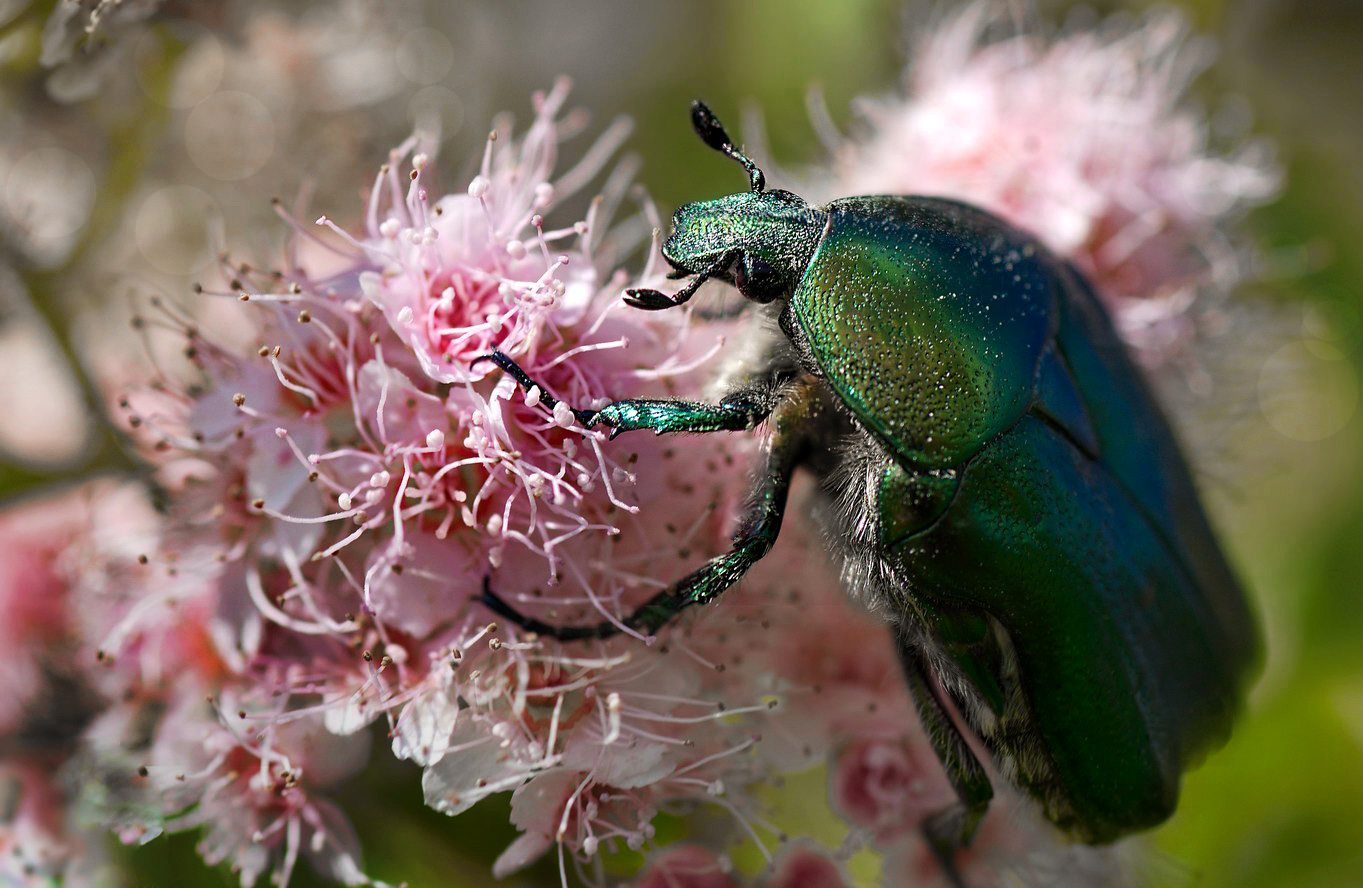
649 300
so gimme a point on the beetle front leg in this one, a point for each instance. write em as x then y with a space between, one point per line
952 828
756 534
736 411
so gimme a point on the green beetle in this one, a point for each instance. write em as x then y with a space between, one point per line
1006 485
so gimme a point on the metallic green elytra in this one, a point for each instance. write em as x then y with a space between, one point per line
1004 482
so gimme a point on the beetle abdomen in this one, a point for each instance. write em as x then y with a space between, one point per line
1106 624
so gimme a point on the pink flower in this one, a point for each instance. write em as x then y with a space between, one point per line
250 776
52 689
692 866
51 551
802 867
35 629
887 786
1084 139
686 866
35 849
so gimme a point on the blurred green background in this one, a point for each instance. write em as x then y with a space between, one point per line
1282 805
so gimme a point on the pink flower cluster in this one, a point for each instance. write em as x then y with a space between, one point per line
357 475
341 475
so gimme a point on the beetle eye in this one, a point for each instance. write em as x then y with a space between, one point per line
757 280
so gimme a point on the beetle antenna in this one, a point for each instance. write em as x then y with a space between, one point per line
712 133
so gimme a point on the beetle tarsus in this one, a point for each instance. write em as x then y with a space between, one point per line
498 605
653 300
508 364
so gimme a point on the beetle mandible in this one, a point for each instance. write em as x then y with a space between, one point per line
1007 488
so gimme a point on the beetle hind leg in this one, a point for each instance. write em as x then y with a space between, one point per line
953 827
700 586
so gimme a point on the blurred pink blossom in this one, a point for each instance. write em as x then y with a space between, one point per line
802 867
881 785
692 866
686 866
35 847
50 693
246 788
35 632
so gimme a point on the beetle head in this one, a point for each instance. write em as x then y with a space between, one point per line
760 241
